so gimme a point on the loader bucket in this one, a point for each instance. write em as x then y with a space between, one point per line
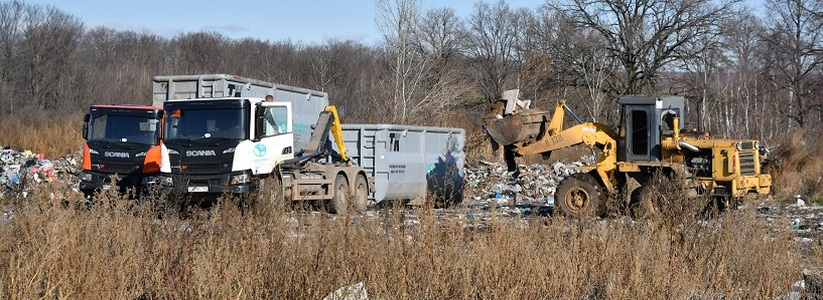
517 127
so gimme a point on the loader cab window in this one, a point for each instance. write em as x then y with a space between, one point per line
274 120
667 122
639 121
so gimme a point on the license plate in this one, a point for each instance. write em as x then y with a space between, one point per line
106 187
198 189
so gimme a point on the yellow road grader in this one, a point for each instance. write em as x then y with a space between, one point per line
649 140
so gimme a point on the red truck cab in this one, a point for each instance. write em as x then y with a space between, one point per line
123 140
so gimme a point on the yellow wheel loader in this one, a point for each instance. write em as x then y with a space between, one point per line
649 140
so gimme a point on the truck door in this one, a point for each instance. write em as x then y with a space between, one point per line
273 136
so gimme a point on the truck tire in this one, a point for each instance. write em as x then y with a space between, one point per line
578 194
340 201
270 192
361 193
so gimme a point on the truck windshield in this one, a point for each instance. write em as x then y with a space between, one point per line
195 124
124 129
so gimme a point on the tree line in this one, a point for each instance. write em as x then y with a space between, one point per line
746 72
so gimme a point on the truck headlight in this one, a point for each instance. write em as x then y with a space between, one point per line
748 145
239 179
166 181
86 177
149 180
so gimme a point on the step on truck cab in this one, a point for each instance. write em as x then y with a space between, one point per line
123 140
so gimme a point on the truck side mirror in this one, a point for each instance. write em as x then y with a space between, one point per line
259 112
86 127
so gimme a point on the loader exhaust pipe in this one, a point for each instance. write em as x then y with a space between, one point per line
690 147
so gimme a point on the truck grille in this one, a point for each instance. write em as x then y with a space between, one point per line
118 168
202 168
747 163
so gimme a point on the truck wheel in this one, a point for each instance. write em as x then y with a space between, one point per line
361 193
341 195
646 202
577 194
270 193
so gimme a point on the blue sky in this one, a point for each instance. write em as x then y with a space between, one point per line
304 21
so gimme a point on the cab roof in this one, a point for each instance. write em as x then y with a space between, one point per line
127 106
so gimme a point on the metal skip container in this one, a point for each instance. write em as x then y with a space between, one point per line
409 162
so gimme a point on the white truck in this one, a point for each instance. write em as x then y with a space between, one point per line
221 136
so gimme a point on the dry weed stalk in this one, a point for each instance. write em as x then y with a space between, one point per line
119 249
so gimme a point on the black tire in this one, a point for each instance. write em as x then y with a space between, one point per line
341 195
361 193
646 202
270 192
578 194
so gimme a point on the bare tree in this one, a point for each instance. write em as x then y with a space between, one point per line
202 52
795 37
51 39
397 21
741 43
420 48
444 82
11 14
647 35
494 35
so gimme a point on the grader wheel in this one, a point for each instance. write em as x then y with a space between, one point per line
579 194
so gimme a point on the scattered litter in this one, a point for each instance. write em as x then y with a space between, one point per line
489 183
799 201
355 291
22 171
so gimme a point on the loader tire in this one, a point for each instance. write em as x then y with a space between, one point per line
646 202
341 199
361 193
579 194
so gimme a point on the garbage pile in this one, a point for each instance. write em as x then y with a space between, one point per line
533 185
23 171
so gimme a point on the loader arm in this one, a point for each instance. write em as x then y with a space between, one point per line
555 137
590 134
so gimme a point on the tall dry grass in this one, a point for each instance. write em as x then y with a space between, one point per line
796 167
118 250
42 133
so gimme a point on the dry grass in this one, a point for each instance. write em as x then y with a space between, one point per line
118 251
796 167
42 132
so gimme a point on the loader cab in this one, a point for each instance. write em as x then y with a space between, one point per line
644 122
